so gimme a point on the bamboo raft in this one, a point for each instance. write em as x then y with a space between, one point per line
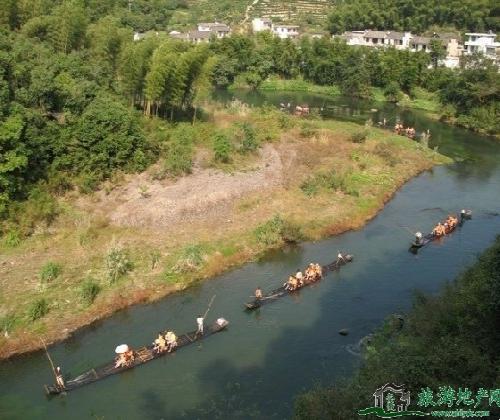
142 355
281 291
430 237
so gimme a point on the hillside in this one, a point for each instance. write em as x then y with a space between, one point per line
233 11
297 11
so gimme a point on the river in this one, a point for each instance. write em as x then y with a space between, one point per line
256 367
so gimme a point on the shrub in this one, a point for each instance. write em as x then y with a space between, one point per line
359 136
222 148
307 130
310 186
253 80
12 238
276 231
8 323
331 180
392 92
192 259
50 271
386 152
117 263
284 121
38 309
58 182
41 207
249 141
89 291
88 182
155 258
179 158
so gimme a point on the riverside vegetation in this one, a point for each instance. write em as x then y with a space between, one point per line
83 108
450 339
319 178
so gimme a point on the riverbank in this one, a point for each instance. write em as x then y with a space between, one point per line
421 99
132 241
449 340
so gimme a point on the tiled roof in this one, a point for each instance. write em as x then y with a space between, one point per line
199 34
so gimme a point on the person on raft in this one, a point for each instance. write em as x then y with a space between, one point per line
171 340
199 323
160 344
59 378
452 221
125 359
292 283
258 293
300 278
418 238
439 230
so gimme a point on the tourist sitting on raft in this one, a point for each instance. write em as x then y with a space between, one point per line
439 230
125 356
292 283
313 272
452 222
258 293
171 340
300 278
160 344
410 132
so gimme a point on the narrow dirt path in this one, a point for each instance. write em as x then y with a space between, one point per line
247 11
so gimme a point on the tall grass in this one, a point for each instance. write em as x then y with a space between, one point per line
38 309
277 231
50 271
89 291
118 263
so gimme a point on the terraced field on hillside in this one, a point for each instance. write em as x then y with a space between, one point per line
306 11
233 11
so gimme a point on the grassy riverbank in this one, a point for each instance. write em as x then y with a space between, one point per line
244 181
446 340
420 99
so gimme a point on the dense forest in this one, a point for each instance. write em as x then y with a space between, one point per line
76 90
415 15
447 340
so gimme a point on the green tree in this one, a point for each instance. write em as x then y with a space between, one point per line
10 14
392 92
106 137
106 38
68 26
222 148
437 52
13 159
134 65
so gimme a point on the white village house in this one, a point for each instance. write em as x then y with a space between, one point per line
220 30
406 41
286 31
204 33
280 30
483 43
262 24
